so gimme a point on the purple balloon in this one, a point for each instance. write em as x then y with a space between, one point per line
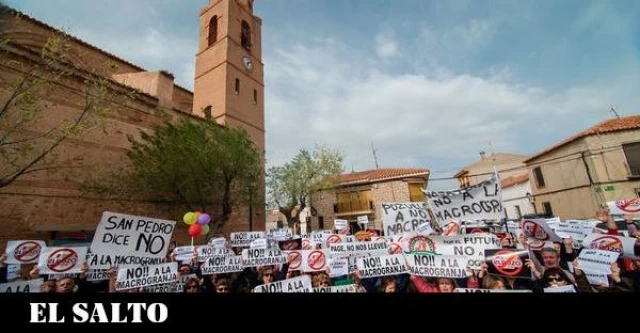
204 219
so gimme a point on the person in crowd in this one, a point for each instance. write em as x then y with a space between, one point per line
192 285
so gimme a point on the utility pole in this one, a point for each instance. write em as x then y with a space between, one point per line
375 158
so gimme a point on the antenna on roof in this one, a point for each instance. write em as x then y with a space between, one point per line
352 171
375 158
614 112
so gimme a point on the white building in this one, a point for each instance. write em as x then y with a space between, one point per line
516 196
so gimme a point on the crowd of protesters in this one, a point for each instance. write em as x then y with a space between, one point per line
557 266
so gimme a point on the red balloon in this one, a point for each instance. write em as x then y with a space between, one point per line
195 230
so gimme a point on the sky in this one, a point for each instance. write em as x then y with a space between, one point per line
429 84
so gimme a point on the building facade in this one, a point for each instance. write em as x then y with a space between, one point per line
362 194
508 165
517 200
229 84
575 177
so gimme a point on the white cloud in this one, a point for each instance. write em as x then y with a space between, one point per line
317 94
386 46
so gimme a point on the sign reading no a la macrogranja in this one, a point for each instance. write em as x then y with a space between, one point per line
479 202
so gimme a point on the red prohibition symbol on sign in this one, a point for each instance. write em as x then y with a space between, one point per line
507 262
452 229
294 258
27 251
395 248
608 243
306 244
62 260
629 205
334 239
316 260
534 230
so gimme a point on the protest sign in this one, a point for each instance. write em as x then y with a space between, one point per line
596 261
263 257
508 262
561 289
62 260
540 230
401 217
222 265
358 249
300 284
626 246
142 276
23 251
122 239
381 265
478 202
29 286
437 265
244 239
470 246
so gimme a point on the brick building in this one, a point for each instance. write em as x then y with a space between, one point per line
362 193
228 85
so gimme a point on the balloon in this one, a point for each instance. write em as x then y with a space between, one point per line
195 230
198 213
205 230
189 218
204 219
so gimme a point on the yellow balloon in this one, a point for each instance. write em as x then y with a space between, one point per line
189 218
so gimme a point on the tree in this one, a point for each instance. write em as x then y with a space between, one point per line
290 186
195 163
27 82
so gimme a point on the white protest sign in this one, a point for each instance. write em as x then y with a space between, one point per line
183 253
218 242
486 291
381 266
351 288
62 260
294 259
263 257
401 217
23 251
29 286
538 229
244 239
561 289
394 248
575 231
596 261
205 251
350 239
364 220
314 260
327 239
340 224
13 272
338 267
471 246
437 265
358 249
62 276
260 243
479 202
142 276
97 275
619 244
172 287
122 239
300 284
597 279
222 265
625 206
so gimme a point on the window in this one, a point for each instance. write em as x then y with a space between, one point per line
237 89
255 96
415 192
546 206
207 112
245 37
539 178
213 30
518 212
632 153
320 222
280 224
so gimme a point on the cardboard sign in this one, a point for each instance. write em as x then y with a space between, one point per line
23 251
381 266
142 276
244 239
29 286
262 257
538 229
62 260
122 239
471 246
478 202
358 249
300 284
622 245
401 217
222 265
508 262
437 265
562 289
597 261
314 260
